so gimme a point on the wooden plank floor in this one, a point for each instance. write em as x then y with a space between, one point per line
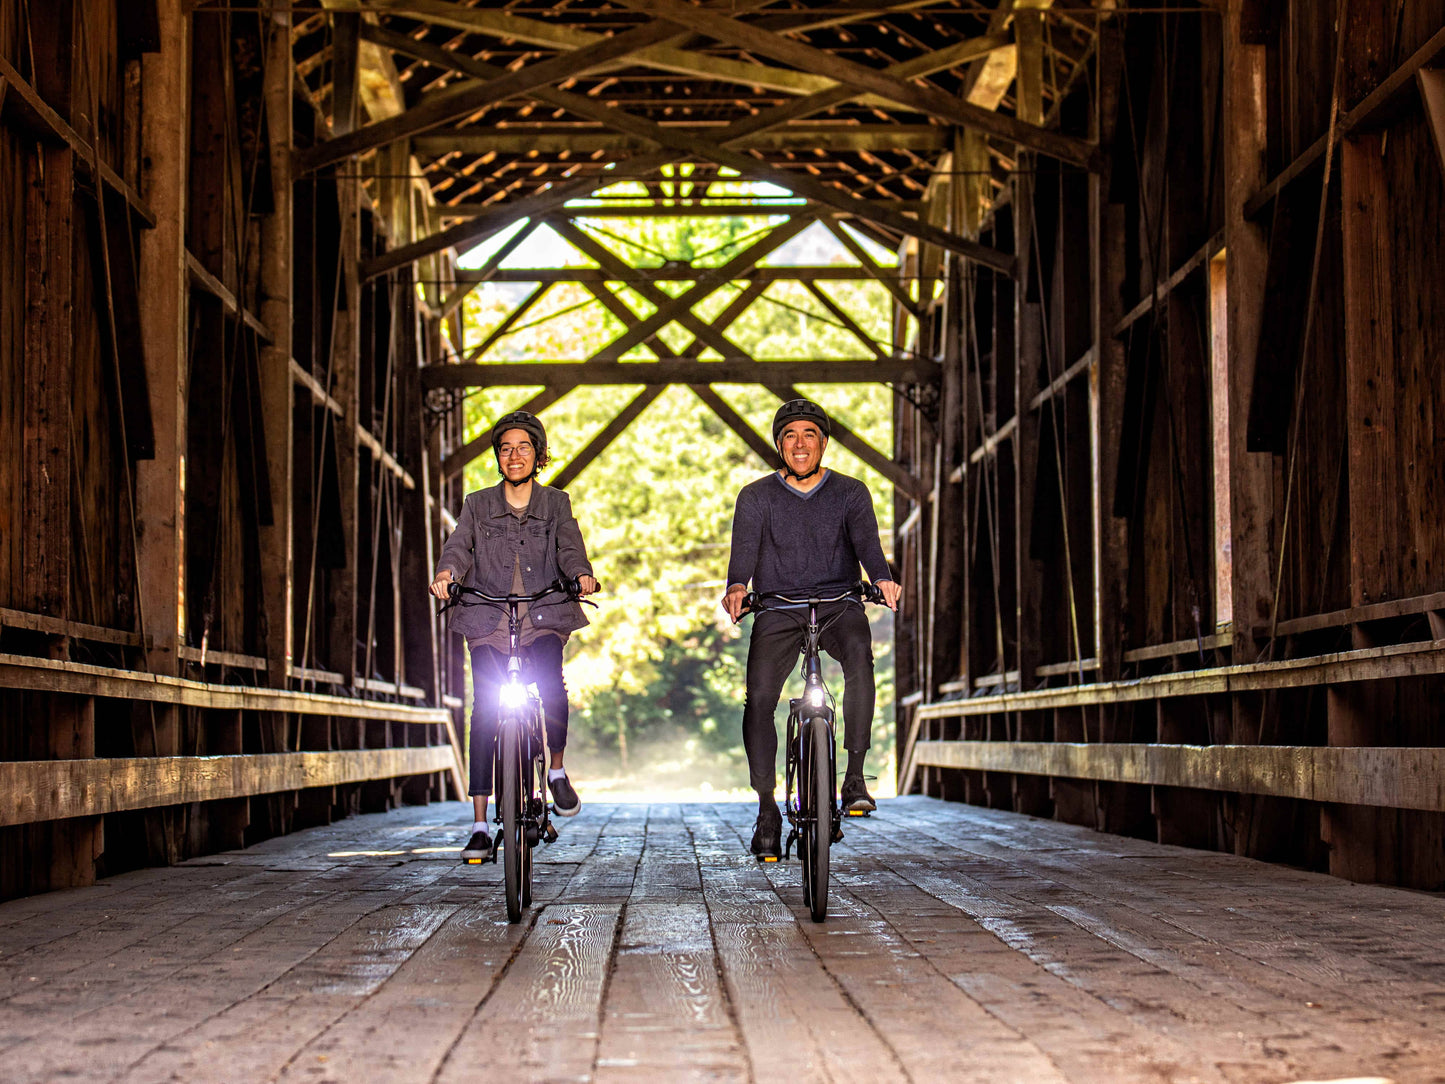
963 944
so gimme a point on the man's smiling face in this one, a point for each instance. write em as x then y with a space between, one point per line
801 444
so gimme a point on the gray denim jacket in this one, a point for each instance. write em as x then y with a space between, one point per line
481 553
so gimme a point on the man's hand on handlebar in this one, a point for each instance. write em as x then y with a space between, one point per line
732 602
892 592
441 586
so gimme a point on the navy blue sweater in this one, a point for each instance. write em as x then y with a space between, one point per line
793 542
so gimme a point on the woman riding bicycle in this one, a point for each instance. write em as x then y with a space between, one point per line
516 537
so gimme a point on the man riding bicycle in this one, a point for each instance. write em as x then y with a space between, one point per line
516 537
804 530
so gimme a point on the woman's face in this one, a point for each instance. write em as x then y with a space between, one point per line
516 455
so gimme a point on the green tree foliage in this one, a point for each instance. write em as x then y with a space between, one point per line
661 663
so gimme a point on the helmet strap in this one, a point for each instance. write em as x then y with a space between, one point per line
791 473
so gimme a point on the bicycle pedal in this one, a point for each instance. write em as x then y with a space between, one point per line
767 858
551 834
860 813
474 861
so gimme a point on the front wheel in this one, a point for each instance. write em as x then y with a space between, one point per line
820 793
509 753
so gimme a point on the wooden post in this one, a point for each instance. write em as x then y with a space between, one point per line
345 362
1251 475
276 391
48 276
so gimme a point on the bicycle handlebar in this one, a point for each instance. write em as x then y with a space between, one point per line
863 592
571 588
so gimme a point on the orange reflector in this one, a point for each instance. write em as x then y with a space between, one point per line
857 812
769 858
474 861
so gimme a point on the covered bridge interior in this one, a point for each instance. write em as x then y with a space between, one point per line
1165 361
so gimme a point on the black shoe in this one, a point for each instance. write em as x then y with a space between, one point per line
479 846
856 798
565 802
768 833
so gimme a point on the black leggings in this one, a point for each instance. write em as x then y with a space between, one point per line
542 665
773 652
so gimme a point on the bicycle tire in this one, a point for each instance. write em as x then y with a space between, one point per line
513 832
539 773
820 791
798 764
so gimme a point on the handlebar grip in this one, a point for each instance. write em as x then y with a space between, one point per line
454 589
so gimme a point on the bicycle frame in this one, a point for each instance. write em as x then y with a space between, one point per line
519 765
814 818
815 703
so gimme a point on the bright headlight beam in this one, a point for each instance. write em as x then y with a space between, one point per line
815 697
512 695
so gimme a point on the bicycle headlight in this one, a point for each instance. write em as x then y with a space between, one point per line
815 696
513 694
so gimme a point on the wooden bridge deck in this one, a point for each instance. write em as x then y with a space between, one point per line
963 944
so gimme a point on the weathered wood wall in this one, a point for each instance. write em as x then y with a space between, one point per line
1231 471
203 463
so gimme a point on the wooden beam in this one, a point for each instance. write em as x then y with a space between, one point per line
654 373
708 280
1365 664
883 464
611 262
466 100
683 141
924 138
1357 117
867 341
924 99
1432 93
75 630
278 396
46 452
506 325
687 208
457 461
47 790
557 35
24 104
872 269
599 444
470 280
83 679
1397 778
688 273
739 425
345 71
162 271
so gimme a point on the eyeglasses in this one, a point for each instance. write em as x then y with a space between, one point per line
520 450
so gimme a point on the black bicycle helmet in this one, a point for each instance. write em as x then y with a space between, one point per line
800 408
531 425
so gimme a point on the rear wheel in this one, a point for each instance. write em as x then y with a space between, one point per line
820 794
513 843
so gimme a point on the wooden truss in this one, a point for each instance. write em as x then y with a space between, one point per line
525 118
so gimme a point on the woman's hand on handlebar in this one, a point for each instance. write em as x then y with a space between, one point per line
441 586
891 592
586 585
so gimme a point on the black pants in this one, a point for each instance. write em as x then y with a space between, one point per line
777 643
541 665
